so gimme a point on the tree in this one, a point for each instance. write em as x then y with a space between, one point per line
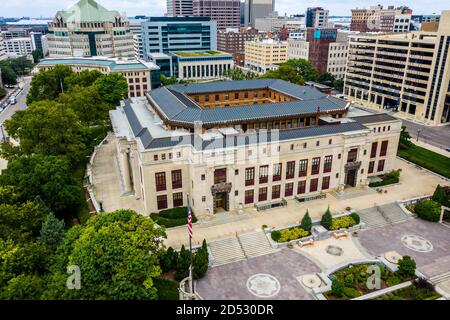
183 263
112 87
166 81
168 260
48 128
338 84
85 78
297 71
327 219
117 253
47 85
327 79
2 92
306 223
23 287
49 178
407 266
21 64
87 103
405 138
440 196
9 77
52 231
200 261
37 55
428 210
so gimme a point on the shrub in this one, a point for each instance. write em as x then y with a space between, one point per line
167 289
440 196
351 293
168 260
422 283
306 223
406 266
326 219
276 235
264 226
349 280
292 234
183 263
355 217
172 217
337 287
200 261
392 281
390 178
428 210
342 222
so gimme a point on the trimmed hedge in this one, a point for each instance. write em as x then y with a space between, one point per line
390 178
167 289
342 222
428 210
290 234
174 217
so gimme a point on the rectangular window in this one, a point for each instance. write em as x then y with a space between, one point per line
315 165
303 167
178 199
289 189
262 194
301 188
290 169
313 185
263 174
248 196
161 202
352 155
380 165
276 191
325 183
327 163
249 176
384 146
160 181
276 172
371 166
176 179
373 151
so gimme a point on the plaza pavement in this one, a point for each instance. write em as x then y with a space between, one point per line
413 182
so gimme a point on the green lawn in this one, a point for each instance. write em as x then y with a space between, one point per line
427 159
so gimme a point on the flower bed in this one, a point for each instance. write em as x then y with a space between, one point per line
289 234
172 217
387 179
419 290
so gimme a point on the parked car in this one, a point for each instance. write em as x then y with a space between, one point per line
447 149
12 100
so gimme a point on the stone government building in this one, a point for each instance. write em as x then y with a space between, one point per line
238 144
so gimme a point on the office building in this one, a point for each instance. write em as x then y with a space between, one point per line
239 158
88 29
274 23
232 40
316 17
264 55
254 9
377 18
177 8
227 13
408 73
15 47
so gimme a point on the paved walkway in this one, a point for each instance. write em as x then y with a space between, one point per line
229 282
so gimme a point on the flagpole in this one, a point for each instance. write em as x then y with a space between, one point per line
191 281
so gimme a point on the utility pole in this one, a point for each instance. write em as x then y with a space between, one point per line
418 133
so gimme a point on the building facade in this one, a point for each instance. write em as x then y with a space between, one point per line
164 157
177 8
173 34
227 13
254 9
407 73
233 40
316 17
274 23
18 46
264 55
141 76
377 18
203 65
319 46
88 29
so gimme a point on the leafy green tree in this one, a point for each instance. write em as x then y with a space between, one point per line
21 64
85 78
338 84
87 103
200 261
405 138
327 219
8 195
297 71
168 260
52 231
112 87
428 210
2 92
9 77
37 55
117 253
47 128
183 263
440 196
47 85
306 223
49 178
406 266
326 78
23 287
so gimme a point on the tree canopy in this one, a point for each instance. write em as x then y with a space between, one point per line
85 78
47 85
297 71
112 87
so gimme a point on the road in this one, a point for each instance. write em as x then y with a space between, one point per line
21 101
436 136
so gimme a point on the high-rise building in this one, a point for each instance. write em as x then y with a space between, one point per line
176 8
227 13
378 18
172 34
409 73
316 17
233 40
264 55
257 9
88 29
274 23
18 46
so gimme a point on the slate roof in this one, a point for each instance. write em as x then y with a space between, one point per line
373 118
173 104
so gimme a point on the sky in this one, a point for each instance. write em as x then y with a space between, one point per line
48 8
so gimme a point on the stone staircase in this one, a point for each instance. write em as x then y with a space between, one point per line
226 250
380 216
255 244
440 278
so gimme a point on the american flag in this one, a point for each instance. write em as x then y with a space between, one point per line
190 222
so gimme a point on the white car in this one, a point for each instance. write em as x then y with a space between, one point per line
12 100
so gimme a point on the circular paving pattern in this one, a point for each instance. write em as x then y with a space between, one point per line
263 285
334 250
392 257
311 281
417 243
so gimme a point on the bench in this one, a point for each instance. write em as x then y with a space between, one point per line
338 235
305 243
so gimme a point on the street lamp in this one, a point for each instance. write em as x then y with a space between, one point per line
418 133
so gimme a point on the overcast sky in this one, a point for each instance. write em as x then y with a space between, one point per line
47 8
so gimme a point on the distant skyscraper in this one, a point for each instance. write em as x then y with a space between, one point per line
316 17
179 8
227 13
257 9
